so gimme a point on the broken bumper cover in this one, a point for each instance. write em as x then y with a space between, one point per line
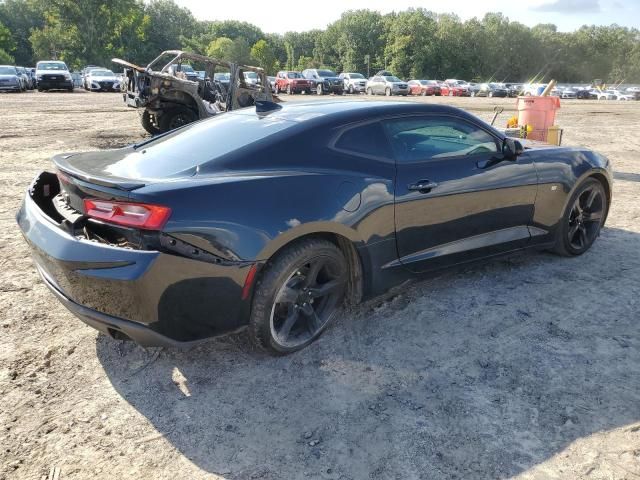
151 297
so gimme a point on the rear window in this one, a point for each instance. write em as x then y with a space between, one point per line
195 144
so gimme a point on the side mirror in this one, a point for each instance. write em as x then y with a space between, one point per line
511 148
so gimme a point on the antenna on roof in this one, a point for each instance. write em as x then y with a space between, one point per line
266 106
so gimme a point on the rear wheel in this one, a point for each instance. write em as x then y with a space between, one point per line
583 219
300 292
176 117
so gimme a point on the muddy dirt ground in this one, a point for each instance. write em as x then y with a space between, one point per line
527 367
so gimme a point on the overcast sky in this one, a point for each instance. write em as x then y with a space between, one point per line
304 15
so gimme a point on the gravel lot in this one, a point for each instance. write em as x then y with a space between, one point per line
527 367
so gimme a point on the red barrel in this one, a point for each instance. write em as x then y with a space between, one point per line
539 113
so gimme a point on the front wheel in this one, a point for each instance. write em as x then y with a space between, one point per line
583 218
319 89
147 120
299 294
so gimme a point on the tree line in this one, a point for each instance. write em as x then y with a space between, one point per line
415 43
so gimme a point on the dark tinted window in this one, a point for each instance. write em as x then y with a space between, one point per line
195 144
366 139
426 138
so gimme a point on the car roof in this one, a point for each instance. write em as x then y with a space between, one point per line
337 112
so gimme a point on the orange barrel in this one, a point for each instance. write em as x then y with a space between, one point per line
539 113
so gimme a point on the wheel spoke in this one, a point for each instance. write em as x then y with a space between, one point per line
326 288
593 193
582 235
592 217
572 231
288 323
314 322
307 309
314 270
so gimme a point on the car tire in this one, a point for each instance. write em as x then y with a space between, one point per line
473 94
583 219
176 118
490 94
387 92
319 89
147 123
283 316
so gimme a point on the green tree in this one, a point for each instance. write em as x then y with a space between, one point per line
264 57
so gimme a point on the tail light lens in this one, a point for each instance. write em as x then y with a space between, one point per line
137 215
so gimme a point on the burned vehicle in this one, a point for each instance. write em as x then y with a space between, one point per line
169 98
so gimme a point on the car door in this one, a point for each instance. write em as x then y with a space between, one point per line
377 85
457 198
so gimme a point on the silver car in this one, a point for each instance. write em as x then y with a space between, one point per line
102 81
354 82
387 85
10 79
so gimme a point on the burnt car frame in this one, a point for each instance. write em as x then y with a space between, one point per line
273 218
169 98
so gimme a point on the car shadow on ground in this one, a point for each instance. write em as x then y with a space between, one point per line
480 373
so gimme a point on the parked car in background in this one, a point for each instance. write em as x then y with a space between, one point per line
387 85
533 89
10 79
490 90
514 89
604 94
453 89
563 92
184 71
272 83
28 84
53 75
584 93
620 95
292 82
423 87
354 82
85 71
324 81
102 81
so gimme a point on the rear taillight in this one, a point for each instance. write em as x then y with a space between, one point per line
137 215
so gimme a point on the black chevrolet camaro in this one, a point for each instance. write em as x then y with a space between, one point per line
274 217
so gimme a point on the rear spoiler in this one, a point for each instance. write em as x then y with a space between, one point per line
64 167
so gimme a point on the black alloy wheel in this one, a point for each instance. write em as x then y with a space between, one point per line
175 118
583 219
299 294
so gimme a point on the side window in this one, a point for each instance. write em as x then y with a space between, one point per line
434 137
368 139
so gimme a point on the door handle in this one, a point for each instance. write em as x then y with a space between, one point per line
422 186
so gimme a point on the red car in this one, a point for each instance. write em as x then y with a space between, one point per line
424 87
454 89
292 82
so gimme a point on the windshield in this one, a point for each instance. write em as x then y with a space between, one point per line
356 75
8 71
221 77
294 75
51 66
326 73
102 73
186 68
251 75
195 144
392 78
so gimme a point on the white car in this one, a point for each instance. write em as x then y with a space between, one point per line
533 89
102 81
53 75
604 94
622 96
